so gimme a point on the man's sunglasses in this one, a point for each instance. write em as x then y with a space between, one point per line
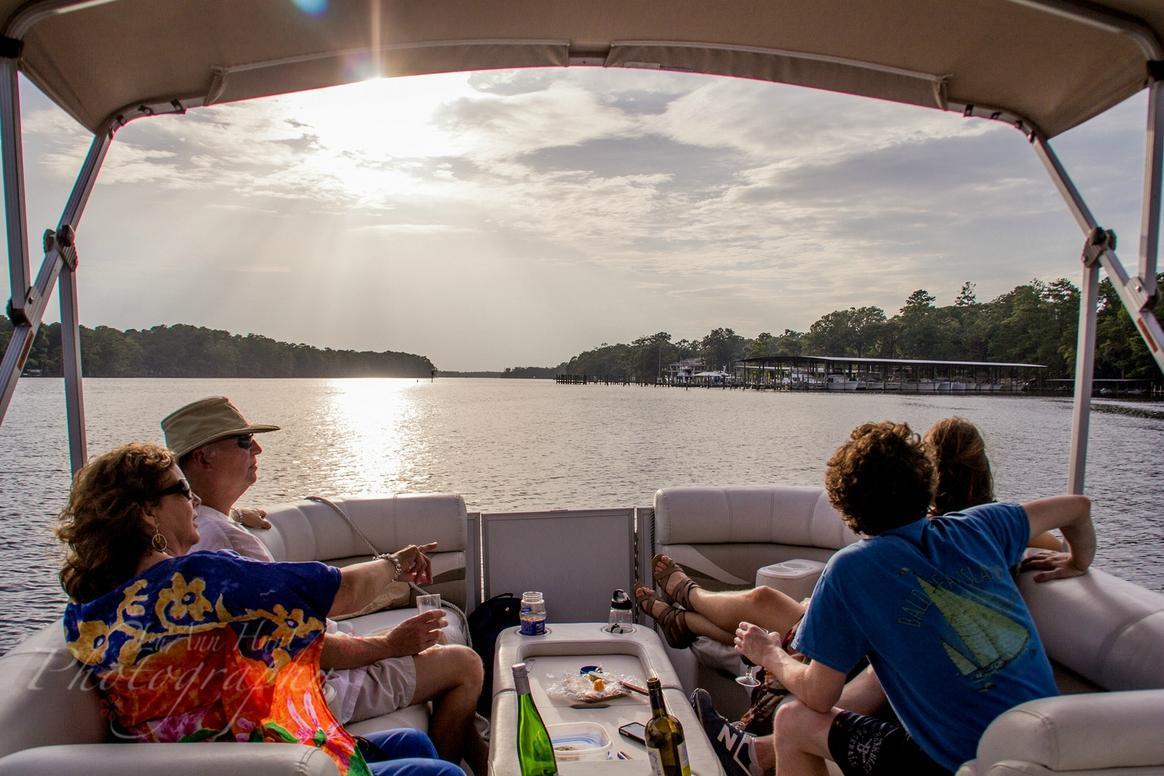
179 488
245 441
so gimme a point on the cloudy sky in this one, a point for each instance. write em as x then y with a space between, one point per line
518 217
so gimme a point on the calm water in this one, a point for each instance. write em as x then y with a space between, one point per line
515 445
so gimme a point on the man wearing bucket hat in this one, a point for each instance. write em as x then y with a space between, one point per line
219 454
372 675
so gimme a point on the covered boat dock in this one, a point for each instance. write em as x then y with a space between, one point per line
849 373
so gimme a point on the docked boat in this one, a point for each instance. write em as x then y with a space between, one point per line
840 382
1039 66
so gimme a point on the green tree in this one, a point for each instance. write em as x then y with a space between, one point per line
721 348
967 296
1120 351
763 345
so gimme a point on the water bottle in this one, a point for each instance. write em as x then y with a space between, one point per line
535 751
619 620
533 614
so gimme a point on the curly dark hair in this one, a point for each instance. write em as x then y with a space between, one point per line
962 470
102 523
881 478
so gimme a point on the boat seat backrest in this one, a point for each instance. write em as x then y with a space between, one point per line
723 535
311 530
48 698
1103 628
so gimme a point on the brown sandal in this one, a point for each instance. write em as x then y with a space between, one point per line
673 622
682 593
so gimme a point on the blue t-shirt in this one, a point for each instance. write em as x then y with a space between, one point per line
934 607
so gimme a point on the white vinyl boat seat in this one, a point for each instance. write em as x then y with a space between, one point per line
311 530
1106 639
723 537
50 714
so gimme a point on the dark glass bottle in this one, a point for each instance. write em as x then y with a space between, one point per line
535 753
666 746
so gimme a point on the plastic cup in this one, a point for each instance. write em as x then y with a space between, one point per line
426 603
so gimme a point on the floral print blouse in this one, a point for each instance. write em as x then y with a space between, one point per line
214 646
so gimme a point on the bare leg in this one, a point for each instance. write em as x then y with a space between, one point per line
800 737
863 694
768 608
451 677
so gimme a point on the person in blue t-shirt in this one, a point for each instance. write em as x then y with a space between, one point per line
931 603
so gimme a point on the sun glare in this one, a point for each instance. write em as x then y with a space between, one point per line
363 133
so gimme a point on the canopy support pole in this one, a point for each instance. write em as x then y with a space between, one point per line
1150 215
71 366
60 263
1131 290
16 220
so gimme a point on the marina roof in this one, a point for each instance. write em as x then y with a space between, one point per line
1046 65
897 361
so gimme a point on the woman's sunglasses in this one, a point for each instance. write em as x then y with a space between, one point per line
179 488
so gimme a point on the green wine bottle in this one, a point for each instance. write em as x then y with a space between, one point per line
666 746
535 753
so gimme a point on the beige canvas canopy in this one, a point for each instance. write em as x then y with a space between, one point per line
1019 58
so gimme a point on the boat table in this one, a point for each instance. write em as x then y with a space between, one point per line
564 649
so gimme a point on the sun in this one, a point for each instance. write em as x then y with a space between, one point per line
374 138
383 118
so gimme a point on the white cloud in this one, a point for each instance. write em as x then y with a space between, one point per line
410 229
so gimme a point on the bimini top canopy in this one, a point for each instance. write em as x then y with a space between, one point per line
1045 65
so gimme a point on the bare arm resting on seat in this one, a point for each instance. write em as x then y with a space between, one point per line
1072 516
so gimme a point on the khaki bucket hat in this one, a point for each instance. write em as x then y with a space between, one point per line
205 421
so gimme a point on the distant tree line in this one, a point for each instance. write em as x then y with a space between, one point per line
1034 323
190 351
523 372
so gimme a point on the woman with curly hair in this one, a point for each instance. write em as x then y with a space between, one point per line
211 646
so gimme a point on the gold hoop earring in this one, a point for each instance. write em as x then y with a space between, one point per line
158 542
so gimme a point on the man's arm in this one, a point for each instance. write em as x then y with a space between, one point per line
414 635
814 684
1072 516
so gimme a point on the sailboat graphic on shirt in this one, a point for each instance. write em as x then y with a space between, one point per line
988 639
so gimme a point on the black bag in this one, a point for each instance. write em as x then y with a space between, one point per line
485 623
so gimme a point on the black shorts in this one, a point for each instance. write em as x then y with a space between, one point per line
869 746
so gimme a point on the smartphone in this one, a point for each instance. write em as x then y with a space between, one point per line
635 731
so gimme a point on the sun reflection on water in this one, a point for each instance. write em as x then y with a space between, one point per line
373 421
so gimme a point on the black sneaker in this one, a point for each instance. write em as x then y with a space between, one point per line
728 739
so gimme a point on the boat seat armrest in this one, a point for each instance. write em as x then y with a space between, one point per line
1072 733
221 759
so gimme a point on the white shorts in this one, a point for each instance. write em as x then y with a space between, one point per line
386 685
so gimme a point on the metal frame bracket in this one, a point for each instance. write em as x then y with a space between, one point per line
11 48
1155 68
1098 242
64 240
